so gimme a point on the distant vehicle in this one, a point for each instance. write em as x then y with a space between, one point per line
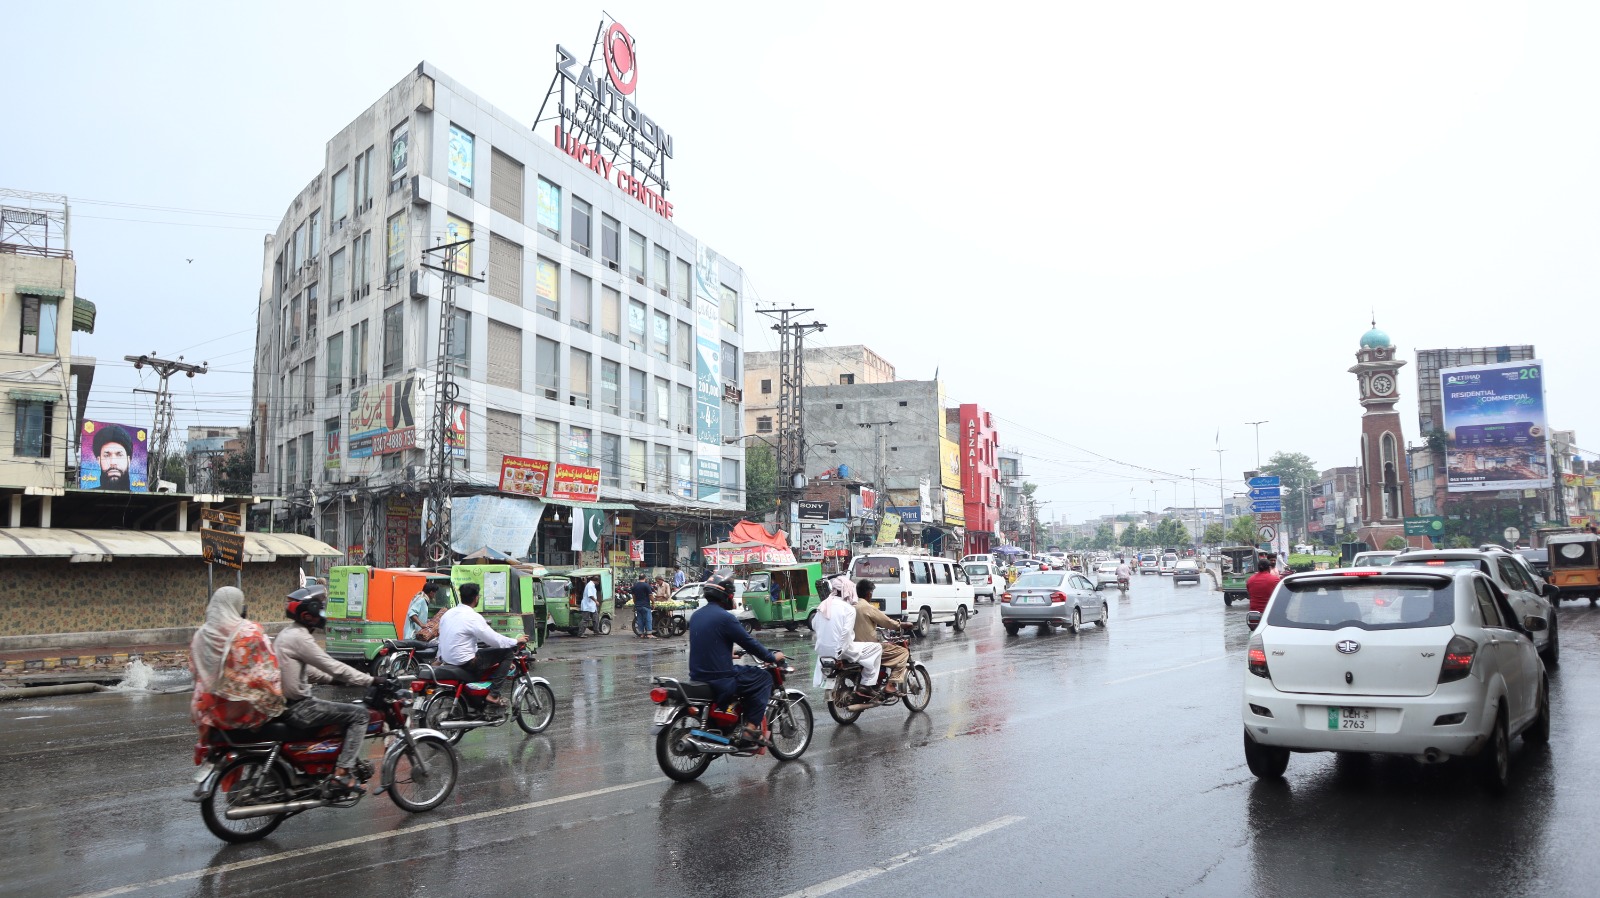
983 558
986 580
1374 559
1186 571
1051 598
1430 662
1510 576
1105 574
1168 562
1149 564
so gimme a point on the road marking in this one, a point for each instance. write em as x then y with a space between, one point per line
900 860
1164 670
363 840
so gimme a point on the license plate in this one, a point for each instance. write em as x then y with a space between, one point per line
1030 600
204 771
664 714
1351 718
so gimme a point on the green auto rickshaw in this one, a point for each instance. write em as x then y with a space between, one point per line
797 595
510 597
1238 563
566 612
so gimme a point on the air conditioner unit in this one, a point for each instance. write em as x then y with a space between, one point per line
613 266
416 191
418 285
639 278
579 401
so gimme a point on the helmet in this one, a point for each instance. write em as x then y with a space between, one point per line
719 590
305 606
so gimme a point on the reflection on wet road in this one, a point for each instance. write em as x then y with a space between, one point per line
1101 763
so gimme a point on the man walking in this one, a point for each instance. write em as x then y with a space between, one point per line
590 606
677 577
641 607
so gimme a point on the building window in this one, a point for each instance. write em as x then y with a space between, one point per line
397 248
636 324
308 385
330 439
550 208
582 216
460 160
610 459
31 428
341 197
297 249
578 445
335 363
291 459
766 385
685 345
685 409
847 378
611 242
314 233
730 418
663 269
611 387
547 287
505 269
635 476
731 482
338 280
764 424
661 335
545 439
611 314
311 312
358 354
505 356
638 401
505 185
684 473
730 307
503 437
580 302
461 344
459 230
661 470
294 323
394 339
636 256
399 150
680 284
578 363
361 275
663 402
730 363
40 321
363 181
547 372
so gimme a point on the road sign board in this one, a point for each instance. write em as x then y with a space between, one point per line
222 547
1265 492
1267 505
1269 517
1268 533
218 516
1265 481
1425 526
1512 534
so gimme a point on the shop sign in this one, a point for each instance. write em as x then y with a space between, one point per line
575 483
813 511
524 476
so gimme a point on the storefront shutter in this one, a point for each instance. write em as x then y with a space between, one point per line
505 180
504 437
505 356
505 269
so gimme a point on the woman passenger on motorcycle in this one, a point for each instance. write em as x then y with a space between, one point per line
236 681
713 632
304 662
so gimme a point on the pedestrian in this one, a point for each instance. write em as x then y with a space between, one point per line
417 614
237 684
641 608
677 577
590 606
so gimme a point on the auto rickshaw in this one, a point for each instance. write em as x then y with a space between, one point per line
797 595
568 615
368 605
510 597
1575 565
1238 563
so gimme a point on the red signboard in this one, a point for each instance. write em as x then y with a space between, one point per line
575 483
524 476
1269 517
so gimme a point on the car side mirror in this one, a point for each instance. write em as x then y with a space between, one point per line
1253 619
1534 624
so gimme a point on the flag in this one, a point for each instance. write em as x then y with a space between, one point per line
586 526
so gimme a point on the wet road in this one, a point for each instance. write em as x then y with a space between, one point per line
1105 763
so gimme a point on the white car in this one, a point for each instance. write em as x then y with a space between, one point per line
1105 574
1169 563
924 588
1509 573
986 580
690 593
1431 663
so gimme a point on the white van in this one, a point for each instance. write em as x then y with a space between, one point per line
924 588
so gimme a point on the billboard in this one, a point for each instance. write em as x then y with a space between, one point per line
708 374
1495 429
383 417
524 476
949 463
574 482
113 457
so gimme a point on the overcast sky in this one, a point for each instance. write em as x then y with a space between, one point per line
1123 227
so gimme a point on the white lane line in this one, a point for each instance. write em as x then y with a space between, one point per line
363 840
1165 670
900 860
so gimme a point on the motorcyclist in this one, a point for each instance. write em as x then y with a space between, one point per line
713 632
303 663
868 620
1124 573
835 626
462 629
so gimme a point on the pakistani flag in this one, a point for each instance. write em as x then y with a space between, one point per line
586 525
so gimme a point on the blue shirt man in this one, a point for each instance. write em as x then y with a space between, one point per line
713 632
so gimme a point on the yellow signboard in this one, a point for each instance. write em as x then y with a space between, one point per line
949 463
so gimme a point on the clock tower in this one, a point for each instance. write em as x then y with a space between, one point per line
1385 478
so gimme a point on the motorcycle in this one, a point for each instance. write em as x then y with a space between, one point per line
692 729
400 657
1122 583
455 703
250 781
843 704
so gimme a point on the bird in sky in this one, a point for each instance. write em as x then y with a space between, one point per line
190 261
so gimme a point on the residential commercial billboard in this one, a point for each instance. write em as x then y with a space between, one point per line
113 457
383 417
1495 428
949 464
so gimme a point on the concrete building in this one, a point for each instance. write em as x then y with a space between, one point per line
1335 506
824 366
578 346
1009 465
979 444
205 452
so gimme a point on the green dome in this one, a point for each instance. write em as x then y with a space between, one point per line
1376 339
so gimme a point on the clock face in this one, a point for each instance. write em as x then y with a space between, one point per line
1382 385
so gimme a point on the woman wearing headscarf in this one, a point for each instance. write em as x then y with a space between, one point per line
236 681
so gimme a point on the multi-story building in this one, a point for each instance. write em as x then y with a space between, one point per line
1336 504
824 366
980 473
206 451
1430 412
1009 466
577 328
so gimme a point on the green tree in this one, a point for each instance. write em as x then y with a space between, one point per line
235 473
1242 532
1171 533
1105 538
1214 535
1394 542
174 469
760 480
1296 470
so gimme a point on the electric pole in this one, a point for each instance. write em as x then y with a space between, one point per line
161 430
791 424
436 526
880 457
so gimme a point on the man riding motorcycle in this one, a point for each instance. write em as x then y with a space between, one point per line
868 619
1124 574
713 632
303 663
462 629
835 626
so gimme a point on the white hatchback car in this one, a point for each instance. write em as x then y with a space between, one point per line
1426 662
986 580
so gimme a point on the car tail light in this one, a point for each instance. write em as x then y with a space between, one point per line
1361 574
658 695
1005 598
1257 658
383 650
1057 597
1458 657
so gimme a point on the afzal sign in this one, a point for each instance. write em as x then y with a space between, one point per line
604 129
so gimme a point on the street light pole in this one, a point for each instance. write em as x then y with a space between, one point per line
1258 440
1194 510
1222 505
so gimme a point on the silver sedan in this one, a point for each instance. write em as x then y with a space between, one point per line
1048 598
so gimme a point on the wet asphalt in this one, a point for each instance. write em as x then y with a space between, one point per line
1104 763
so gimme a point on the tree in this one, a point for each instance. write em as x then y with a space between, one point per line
1394 542
234 474
1296 470
760 480
1243 531
1214 535
1105 538
1171 533
174 469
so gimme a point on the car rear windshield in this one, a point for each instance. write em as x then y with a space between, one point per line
1369 604
977 570
1039 581
1572 554
877 569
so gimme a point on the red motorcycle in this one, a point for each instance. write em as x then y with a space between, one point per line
692 729
252 780
455 702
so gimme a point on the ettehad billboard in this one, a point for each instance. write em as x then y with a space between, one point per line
1495 429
